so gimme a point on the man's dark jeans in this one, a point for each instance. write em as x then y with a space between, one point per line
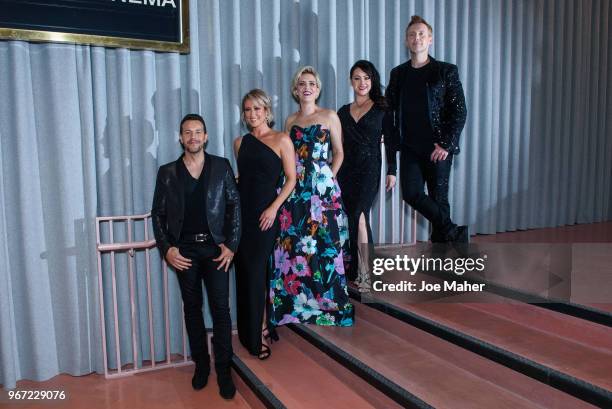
217 289
418 170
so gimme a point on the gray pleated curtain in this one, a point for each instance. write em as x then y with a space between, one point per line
83 130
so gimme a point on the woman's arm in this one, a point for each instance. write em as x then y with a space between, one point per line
237 143
335 128
266 220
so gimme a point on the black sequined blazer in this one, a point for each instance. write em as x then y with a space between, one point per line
222 204
447 110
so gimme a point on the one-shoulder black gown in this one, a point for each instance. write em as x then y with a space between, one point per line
259 169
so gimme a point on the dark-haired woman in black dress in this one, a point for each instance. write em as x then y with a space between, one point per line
262 155
359 176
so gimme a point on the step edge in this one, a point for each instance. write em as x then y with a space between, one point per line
261 391
571 385
359 368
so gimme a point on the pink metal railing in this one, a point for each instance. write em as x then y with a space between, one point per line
131 246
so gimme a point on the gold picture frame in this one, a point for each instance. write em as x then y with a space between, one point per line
106 41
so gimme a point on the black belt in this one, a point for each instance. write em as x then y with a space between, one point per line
196 238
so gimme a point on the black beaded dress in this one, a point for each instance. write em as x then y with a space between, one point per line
259 169
359 176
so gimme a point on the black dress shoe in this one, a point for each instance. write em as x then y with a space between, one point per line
200 376
437 236
227 390
459 234
464 234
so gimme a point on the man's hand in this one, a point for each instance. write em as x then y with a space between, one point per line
225 257
174 258
266 220
438 154
390 182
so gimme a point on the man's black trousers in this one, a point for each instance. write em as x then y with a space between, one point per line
217 288
416 171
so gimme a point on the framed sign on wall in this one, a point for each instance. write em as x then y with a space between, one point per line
160 25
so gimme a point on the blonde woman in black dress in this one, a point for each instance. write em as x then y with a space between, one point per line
359 176
263 155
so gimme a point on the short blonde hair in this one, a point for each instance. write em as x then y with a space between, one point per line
262 99
308 69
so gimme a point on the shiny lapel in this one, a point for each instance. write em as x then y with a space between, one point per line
207 178
179 185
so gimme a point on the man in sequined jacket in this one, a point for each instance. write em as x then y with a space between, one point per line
428 112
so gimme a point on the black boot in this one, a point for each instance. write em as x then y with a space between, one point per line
437 236
440 239
227 390
200 376
458 234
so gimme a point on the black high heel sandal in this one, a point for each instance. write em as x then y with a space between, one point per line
269 334
265 352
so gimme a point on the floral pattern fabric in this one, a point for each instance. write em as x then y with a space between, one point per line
308 283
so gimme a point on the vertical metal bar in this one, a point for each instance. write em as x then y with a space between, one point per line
134 322
184 338
149 295
381 218
166 313
114 287
381 195
101 297
414 225
393 213
402 221
209 340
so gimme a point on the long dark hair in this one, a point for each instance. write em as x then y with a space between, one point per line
371 71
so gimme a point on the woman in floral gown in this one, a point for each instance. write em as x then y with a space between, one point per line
308 283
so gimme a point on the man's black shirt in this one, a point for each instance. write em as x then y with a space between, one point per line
195 221
417 131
